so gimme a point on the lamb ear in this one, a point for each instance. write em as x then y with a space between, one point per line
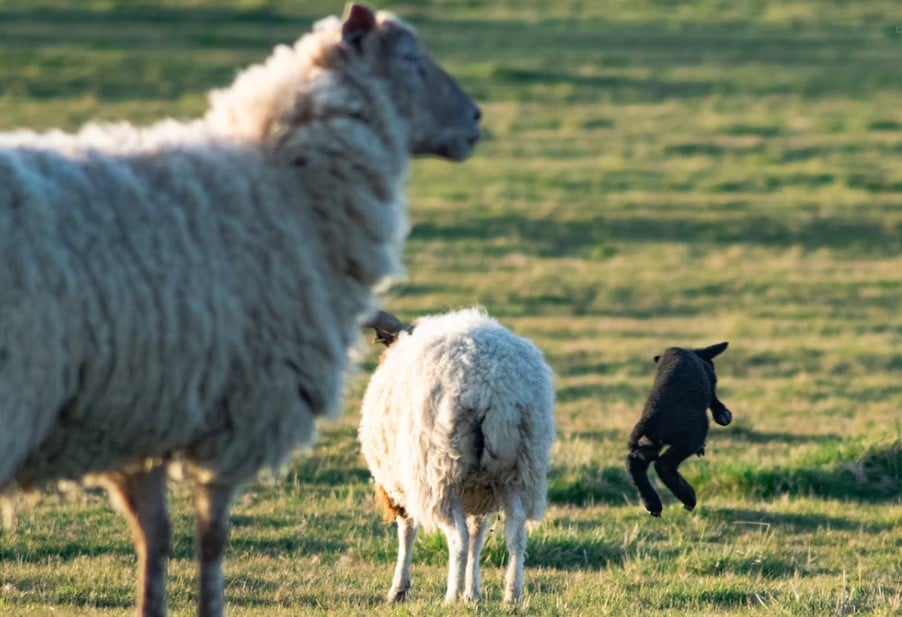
386 325
709 353
360 20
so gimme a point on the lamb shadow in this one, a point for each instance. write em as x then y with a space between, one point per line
744 434
743 519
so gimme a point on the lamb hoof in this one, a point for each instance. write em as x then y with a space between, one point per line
689 507
396 596
655 514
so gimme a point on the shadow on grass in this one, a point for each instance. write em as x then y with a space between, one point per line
874 476
590 484
50 550
574 554
743 519
751 59
567 238
748 435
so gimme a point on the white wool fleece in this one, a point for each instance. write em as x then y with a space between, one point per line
195 287
460 406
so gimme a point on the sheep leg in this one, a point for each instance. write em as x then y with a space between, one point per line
515 534
720 413
407 533
476 527
666 466
637 464
455 530
212 504
141 498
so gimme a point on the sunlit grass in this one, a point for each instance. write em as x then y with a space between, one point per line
651 176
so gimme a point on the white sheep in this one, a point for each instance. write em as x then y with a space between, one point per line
191 289
457 422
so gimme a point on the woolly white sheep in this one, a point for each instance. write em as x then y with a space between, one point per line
457 422
192 289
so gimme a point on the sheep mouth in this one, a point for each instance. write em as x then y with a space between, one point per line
459 148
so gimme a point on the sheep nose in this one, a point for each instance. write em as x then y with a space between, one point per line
477 115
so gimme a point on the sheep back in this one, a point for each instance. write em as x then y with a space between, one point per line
676 408
188 286
460 406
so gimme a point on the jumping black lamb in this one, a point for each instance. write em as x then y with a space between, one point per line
191 289
675 415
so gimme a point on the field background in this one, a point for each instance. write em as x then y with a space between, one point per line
653 174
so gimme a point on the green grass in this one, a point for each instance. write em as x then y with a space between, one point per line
654 174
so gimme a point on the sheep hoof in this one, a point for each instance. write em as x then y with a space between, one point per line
690 508
655 514
701 452
396 596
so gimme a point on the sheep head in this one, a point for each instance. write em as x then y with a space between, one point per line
387 327
442 120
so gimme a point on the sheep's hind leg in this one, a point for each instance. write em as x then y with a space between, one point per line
476 526
407 533
212 504
666 466
141 497
515 534
637 465
455 530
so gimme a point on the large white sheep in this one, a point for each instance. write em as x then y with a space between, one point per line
457 422
192 289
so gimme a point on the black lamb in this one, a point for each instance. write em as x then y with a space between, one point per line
675 416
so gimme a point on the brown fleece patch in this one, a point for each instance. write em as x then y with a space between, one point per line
389 509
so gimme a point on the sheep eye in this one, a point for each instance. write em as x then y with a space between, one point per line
411 56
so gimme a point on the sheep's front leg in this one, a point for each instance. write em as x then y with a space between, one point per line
407 533
476 527
666 466
720 413
515 534
455 530
212 504
141 498
637 464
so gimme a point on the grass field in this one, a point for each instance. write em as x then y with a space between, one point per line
653 174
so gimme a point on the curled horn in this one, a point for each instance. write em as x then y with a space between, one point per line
386 325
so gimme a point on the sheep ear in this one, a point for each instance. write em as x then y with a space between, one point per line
386 338
709 353
360 20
